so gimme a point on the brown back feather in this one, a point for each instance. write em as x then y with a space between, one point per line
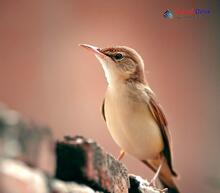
162 123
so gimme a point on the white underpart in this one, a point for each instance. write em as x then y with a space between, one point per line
105 68
131 124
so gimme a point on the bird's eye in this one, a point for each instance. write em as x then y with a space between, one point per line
118 56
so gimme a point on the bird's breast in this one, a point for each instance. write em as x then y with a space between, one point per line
131 124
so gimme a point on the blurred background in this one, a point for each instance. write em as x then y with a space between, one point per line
48 78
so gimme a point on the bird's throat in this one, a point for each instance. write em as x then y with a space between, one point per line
105 68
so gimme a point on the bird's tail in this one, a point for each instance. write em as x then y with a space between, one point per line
165 175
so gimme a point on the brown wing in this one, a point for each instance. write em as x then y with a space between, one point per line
103 109
162 123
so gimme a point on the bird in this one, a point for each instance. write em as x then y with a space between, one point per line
133 115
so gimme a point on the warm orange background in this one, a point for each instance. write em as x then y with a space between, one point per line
47 77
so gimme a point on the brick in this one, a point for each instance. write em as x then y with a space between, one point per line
83 161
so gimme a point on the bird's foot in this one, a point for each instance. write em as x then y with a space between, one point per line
162 190
153 185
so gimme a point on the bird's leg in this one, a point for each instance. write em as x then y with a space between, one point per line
121 155
153 180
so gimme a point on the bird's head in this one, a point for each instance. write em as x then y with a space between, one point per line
120 63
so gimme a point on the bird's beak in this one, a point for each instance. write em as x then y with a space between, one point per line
94 49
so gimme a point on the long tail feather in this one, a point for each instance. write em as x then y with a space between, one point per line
165 175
